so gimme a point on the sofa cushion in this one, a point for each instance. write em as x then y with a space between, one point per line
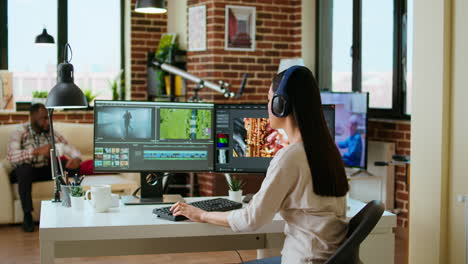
5 133
43 190
80 136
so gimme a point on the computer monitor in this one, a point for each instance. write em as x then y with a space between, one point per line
245 141
350 126
152 136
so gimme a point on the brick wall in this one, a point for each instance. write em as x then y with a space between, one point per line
398 132
146 30
7 118
278 35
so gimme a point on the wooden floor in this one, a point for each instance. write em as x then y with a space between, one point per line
17 247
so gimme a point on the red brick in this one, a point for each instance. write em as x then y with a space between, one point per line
231 74
404 127
281 46
89 117
408 136
247 60
74 116
400 178
264 45
230 59
400 186
239 67
403 214
400 205
403 144
4 117
400 169
402 195
400 222
271 23
24 117
264 16
280 16
60 117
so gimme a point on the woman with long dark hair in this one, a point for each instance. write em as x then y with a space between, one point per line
305 182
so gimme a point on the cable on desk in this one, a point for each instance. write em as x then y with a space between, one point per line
242 261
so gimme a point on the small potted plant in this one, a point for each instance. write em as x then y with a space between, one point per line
77 197
39 97
90 96
235 189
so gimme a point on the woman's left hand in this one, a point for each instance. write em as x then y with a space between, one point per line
191 212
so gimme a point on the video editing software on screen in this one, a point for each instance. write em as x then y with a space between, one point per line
245 141
153 136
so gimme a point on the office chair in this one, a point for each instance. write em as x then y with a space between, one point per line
359 228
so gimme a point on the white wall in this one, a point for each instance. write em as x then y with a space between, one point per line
439 146
430 132
177 20
458 183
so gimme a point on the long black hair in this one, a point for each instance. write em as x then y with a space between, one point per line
325 163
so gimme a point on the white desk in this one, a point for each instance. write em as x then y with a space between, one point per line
130 230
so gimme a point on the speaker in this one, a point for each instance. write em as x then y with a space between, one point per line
280 105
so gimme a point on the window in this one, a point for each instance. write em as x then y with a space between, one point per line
96 44
409 57
33 66
342 63
367 47
377 52
92 28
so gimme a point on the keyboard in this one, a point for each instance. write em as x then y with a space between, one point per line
212 205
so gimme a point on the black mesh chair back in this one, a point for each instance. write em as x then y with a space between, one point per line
359 228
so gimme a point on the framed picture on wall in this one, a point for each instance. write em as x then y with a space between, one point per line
240 28
197 28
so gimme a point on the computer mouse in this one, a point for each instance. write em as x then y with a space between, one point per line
247 198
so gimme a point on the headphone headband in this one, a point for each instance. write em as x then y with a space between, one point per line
280 106
284 81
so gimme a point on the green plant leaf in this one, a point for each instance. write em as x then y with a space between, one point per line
236 184
76 191
40 94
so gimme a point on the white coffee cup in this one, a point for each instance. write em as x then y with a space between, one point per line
101 198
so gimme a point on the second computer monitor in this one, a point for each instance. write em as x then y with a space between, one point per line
244 139
350 126
152 136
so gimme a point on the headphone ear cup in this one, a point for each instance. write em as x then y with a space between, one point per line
278 106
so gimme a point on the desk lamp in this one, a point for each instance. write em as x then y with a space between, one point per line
65 94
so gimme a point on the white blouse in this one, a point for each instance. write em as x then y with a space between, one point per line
315 225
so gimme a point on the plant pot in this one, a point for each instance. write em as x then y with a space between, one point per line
77 203
235 196
36 100
65 190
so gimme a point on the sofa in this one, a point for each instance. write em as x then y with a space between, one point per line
79 135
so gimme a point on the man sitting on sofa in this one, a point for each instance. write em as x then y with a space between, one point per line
29 151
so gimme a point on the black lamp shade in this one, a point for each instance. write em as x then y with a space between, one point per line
151 6
44 38
65 93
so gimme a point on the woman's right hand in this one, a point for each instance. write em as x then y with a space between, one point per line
193 213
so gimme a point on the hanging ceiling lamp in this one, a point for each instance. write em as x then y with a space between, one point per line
151 6
44 38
